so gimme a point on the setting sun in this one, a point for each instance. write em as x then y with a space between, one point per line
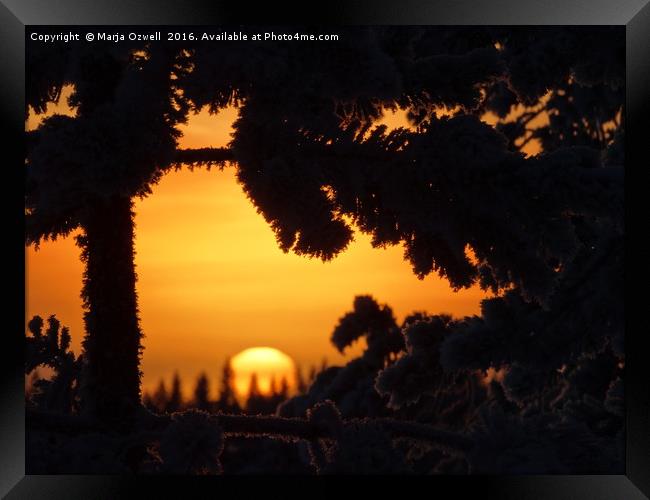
270 365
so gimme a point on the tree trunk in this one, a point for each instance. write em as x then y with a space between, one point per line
110 380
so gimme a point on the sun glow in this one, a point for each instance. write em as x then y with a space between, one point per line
270 366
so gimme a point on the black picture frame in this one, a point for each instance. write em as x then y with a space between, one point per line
16 15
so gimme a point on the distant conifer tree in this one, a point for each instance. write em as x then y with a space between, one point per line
202 393
175 402
227 401
273 386
283 391
160 397
255 400
312 374
301 384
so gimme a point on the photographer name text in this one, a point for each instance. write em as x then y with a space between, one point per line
178 36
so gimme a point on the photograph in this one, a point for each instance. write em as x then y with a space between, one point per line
369 250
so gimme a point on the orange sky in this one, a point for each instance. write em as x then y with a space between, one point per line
212 281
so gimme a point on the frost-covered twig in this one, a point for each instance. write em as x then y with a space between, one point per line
258 425
450 441
203 156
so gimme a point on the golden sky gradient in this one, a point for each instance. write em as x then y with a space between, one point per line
213 282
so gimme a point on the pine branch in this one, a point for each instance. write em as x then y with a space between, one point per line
256 425
202 157
449 440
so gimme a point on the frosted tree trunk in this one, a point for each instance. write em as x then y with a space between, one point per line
112 348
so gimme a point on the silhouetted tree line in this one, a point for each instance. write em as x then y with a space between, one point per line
256 402
545 234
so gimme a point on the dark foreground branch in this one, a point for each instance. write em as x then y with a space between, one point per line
203 157
255 426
